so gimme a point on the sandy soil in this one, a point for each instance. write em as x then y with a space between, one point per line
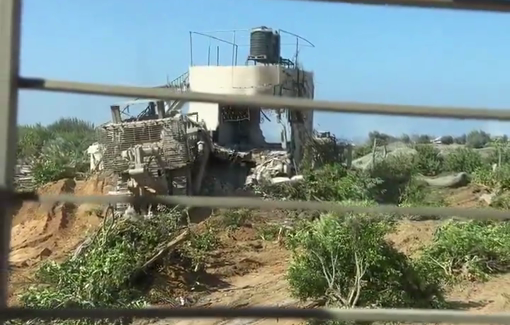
40 232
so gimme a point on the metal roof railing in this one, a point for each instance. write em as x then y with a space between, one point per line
11 82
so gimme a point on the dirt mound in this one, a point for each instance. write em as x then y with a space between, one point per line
40 231
51 231
466 197
238 251
411 236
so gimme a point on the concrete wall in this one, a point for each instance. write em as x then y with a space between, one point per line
252 80
227 131
240 80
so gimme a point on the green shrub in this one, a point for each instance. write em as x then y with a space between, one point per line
422 139
336 183
328 183
347 261
361 150
31 139
463 160
494 156
107 273
384 182
235 218
460 139
198 246
484 176
419 193
393 175
477 139
405 138
468 250
46 171
71 125
58 150
428 160
447 139
498 179
501 201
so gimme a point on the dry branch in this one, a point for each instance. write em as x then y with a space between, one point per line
166 248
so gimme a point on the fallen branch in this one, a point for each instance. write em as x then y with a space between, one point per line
165 249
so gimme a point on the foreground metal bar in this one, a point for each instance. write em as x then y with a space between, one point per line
255 203
10 21
266 101
474 5
386 315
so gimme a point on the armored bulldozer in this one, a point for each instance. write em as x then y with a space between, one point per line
153 153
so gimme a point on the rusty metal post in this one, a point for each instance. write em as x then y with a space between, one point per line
152 109
116 118
160 106
10 25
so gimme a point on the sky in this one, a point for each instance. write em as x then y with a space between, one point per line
362 53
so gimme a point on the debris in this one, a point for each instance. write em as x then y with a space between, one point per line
487 198
271 166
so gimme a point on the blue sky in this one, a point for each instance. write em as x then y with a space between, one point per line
362 53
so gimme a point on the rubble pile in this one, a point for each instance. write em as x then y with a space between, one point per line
272 167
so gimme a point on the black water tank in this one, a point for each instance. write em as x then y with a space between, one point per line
276 47
262 45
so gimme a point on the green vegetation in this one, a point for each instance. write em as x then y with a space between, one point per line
474 139
108 272
346 261
469 250
56 151
343 260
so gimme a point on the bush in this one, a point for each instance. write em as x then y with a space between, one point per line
428 160
381 138
361 151
328 183
58 150
460 139
463 160
447 139
393 175
46 171
385 182
498 179
477 139
235 218
468 250
107 273
347 261
494 156
336 183
31 140
422 139
418 193
405 138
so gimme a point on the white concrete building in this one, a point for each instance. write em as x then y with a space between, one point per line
231 127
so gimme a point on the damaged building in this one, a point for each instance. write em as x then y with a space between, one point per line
212 148
238 128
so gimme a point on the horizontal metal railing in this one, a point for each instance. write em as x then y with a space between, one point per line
474 5
267 101
11 82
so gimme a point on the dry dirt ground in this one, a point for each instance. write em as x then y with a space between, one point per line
244 270
40 232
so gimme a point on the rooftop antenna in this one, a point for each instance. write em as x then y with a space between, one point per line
298 44
211 37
